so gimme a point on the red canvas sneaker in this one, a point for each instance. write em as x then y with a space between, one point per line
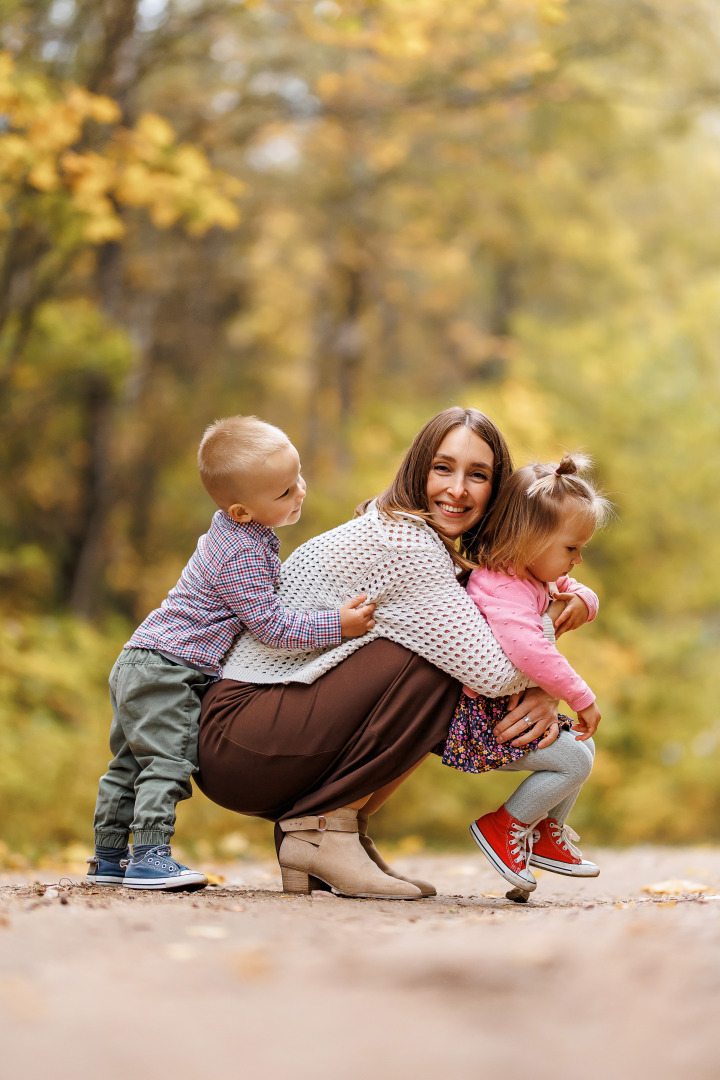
507 843
552 849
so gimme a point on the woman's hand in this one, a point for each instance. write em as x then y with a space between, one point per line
533 716
567 611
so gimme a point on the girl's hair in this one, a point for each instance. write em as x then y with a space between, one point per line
408 491
231 452
531 507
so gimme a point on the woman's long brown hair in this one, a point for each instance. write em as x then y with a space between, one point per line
408 491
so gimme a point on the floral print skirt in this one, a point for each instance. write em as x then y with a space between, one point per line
471 746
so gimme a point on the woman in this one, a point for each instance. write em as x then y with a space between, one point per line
318 740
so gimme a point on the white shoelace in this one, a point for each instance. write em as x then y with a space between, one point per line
564 836
521 841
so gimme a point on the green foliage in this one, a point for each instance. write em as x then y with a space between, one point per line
54 725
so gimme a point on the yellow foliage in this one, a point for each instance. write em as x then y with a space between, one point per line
215 210
154 130
143 167
552 12
43 175
103 227
191 164
87 105
6 69
55 126
328 84
387 154
163 214
103 109
89 174
133 182
407 40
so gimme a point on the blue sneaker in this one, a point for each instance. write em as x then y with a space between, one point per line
105 871
158 870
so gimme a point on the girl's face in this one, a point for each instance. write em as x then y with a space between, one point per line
459 484
564 550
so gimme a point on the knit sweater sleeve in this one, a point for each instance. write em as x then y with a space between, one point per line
511 607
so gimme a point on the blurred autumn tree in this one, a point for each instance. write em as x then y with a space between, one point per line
343 216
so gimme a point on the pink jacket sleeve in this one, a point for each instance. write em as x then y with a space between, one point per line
512 609
568 584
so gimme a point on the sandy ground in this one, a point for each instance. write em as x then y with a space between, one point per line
591 979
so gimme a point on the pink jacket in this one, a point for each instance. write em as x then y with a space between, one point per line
514 608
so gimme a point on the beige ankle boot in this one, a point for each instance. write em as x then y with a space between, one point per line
424 886
327 849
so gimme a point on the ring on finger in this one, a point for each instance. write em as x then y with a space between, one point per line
527 721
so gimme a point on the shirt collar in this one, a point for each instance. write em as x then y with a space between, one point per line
261 534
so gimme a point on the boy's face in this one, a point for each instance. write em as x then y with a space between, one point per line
274 495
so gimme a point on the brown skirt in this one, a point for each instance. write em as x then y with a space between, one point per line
289 749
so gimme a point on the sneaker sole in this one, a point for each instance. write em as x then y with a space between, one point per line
103 879
168 885
569 870
493 857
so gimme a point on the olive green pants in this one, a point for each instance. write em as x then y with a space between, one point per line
153 739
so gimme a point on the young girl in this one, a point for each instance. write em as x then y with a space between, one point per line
531 539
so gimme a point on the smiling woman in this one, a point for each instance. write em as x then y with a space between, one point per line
459 485
450 477
317 739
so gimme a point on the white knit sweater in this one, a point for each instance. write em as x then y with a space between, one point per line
405 568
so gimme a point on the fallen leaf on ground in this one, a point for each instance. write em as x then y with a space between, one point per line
675 887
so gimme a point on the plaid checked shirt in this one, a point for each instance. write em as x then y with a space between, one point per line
229 584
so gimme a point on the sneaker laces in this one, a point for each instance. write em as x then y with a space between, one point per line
521 841
563 836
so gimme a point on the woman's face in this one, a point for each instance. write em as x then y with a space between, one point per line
459 484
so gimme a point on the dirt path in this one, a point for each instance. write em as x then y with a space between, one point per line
592 979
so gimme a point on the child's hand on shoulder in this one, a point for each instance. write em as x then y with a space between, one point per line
587 722
356 617
573 614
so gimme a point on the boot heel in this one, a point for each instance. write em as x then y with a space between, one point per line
295 881
298 881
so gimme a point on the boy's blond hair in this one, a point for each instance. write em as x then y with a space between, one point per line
231 450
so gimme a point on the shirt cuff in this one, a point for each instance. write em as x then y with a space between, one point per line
327 628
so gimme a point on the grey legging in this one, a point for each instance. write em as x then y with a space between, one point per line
558 772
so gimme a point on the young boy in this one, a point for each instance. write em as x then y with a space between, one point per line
252 471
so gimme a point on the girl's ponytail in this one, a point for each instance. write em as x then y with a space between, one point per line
559 481
573 465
